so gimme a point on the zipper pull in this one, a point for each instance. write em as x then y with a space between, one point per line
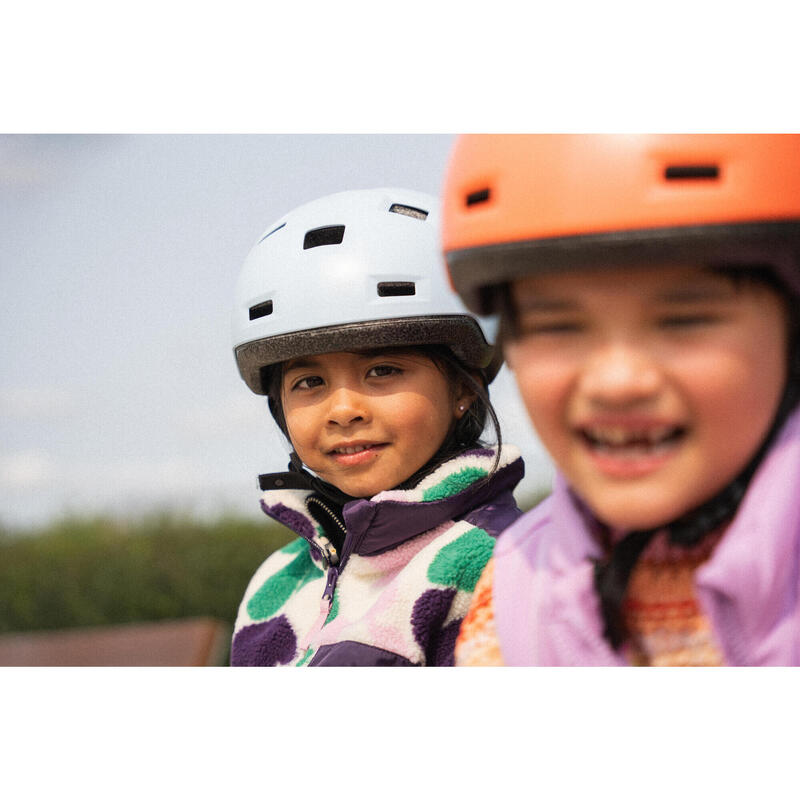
330 584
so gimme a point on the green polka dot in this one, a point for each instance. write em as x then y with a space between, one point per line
453 484
306 657
461 562
278 588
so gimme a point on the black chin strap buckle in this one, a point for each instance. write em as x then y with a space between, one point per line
282 480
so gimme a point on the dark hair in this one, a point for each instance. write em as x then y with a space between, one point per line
464 433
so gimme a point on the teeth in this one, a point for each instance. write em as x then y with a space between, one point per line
617 437
350 450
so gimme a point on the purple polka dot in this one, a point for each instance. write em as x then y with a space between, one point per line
291 518
427 623
446 646
265 644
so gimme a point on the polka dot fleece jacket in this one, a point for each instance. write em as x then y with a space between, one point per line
397 592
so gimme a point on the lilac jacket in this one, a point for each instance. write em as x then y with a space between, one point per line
397 592
547 613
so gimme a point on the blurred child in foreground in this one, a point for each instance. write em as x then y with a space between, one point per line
649 292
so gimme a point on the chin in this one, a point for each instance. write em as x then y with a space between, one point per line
629 522
358 491
641 504
636 516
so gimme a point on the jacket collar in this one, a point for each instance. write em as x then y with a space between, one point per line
389 518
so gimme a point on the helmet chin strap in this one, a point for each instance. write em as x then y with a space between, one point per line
612 574
316 484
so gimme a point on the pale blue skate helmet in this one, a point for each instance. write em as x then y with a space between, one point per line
353 270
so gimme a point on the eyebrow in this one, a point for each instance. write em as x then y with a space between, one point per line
313 363
535 304
674 296
691 294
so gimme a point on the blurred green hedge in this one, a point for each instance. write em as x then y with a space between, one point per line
100 571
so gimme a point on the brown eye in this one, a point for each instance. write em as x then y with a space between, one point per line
382 371
685 321
309 382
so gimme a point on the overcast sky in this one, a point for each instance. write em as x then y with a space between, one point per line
118 390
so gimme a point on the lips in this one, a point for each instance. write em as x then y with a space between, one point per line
355 453
353 448
350 450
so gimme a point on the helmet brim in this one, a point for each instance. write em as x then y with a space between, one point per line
476 271
459 332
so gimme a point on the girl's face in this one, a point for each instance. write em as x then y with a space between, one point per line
650 388
367 421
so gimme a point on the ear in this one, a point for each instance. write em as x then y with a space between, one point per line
464 399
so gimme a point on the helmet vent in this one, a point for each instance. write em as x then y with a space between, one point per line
481 196
274 230
692 172
261 310
408 211
396 288
332 234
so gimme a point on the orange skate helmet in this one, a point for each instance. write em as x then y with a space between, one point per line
518 204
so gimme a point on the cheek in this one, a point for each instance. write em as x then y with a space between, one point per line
299 425
544 384
736 392
419 417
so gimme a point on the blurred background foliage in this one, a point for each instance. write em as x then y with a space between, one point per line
86 571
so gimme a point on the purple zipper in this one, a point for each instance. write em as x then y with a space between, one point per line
330 584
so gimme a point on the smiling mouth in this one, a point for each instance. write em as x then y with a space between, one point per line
354 449
631 443
350 450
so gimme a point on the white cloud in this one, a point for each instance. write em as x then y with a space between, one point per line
27 469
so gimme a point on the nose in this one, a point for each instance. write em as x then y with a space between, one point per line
346 407
620 374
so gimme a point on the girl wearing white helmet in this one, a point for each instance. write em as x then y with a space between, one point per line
377 376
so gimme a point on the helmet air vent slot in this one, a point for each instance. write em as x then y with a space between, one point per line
330 234
396 288
692 172
408 211
481 196
261 310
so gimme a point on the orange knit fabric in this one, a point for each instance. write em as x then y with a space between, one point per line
666 624
477 644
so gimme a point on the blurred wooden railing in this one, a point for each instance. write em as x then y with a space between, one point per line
200 642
